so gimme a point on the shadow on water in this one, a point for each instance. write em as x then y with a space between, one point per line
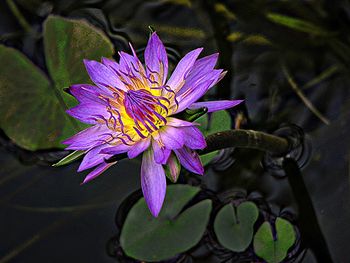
48 217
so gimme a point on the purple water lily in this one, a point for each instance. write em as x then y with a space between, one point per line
131 108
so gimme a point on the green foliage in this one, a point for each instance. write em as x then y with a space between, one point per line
153 239
298 24
234 226
32 111
70 158
218 121
274 251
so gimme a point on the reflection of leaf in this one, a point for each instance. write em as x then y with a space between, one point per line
298 24
70 158
234 230
270 249
153 239
219 121
32 111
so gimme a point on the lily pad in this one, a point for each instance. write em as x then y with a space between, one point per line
274 248
151 239
32 111
218 121
234 227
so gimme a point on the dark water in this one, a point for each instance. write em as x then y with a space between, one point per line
46 216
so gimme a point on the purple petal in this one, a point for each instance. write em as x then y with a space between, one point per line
161 153
201 68
129 64
215 105
138 148
171 137
118 149
177 79
153 183
194 138
111 64
171 121
85 93
196 91
156 59
88 112
190 160
103 76
93 158
87 138
97 171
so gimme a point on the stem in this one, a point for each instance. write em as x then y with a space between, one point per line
237 138
21 20
309 227
247 139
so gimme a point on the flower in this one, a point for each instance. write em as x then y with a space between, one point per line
131 110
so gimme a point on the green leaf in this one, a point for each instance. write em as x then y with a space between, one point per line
274 251
32 108
67 42
298 24
69 158
234 229
219 121
30 113
150 239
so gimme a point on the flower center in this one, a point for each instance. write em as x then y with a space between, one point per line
146 110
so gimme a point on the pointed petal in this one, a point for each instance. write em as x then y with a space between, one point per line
87 138
201 68
97 171
215 105
88 112
156 59
153 183
112 64
190 160
138 148
177 79
194 138
117 149
93 158
171 137
85 93
103 76
171 121
161 153
196 91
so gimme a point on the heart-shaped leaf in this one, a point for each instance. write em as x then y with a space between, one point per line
32 111
150 239
233 226
218 121
274 248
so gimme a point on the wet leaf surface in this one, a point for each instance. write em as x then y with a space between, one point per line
271 246
32 108
153 239
234 226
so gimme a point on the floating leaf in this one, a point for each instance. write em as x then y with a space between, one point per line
271 249
153 239
298 24
219 121
67 43
234 226
32 111
70 158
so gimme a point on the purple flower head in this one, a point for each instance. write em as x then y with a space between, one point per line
131 108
